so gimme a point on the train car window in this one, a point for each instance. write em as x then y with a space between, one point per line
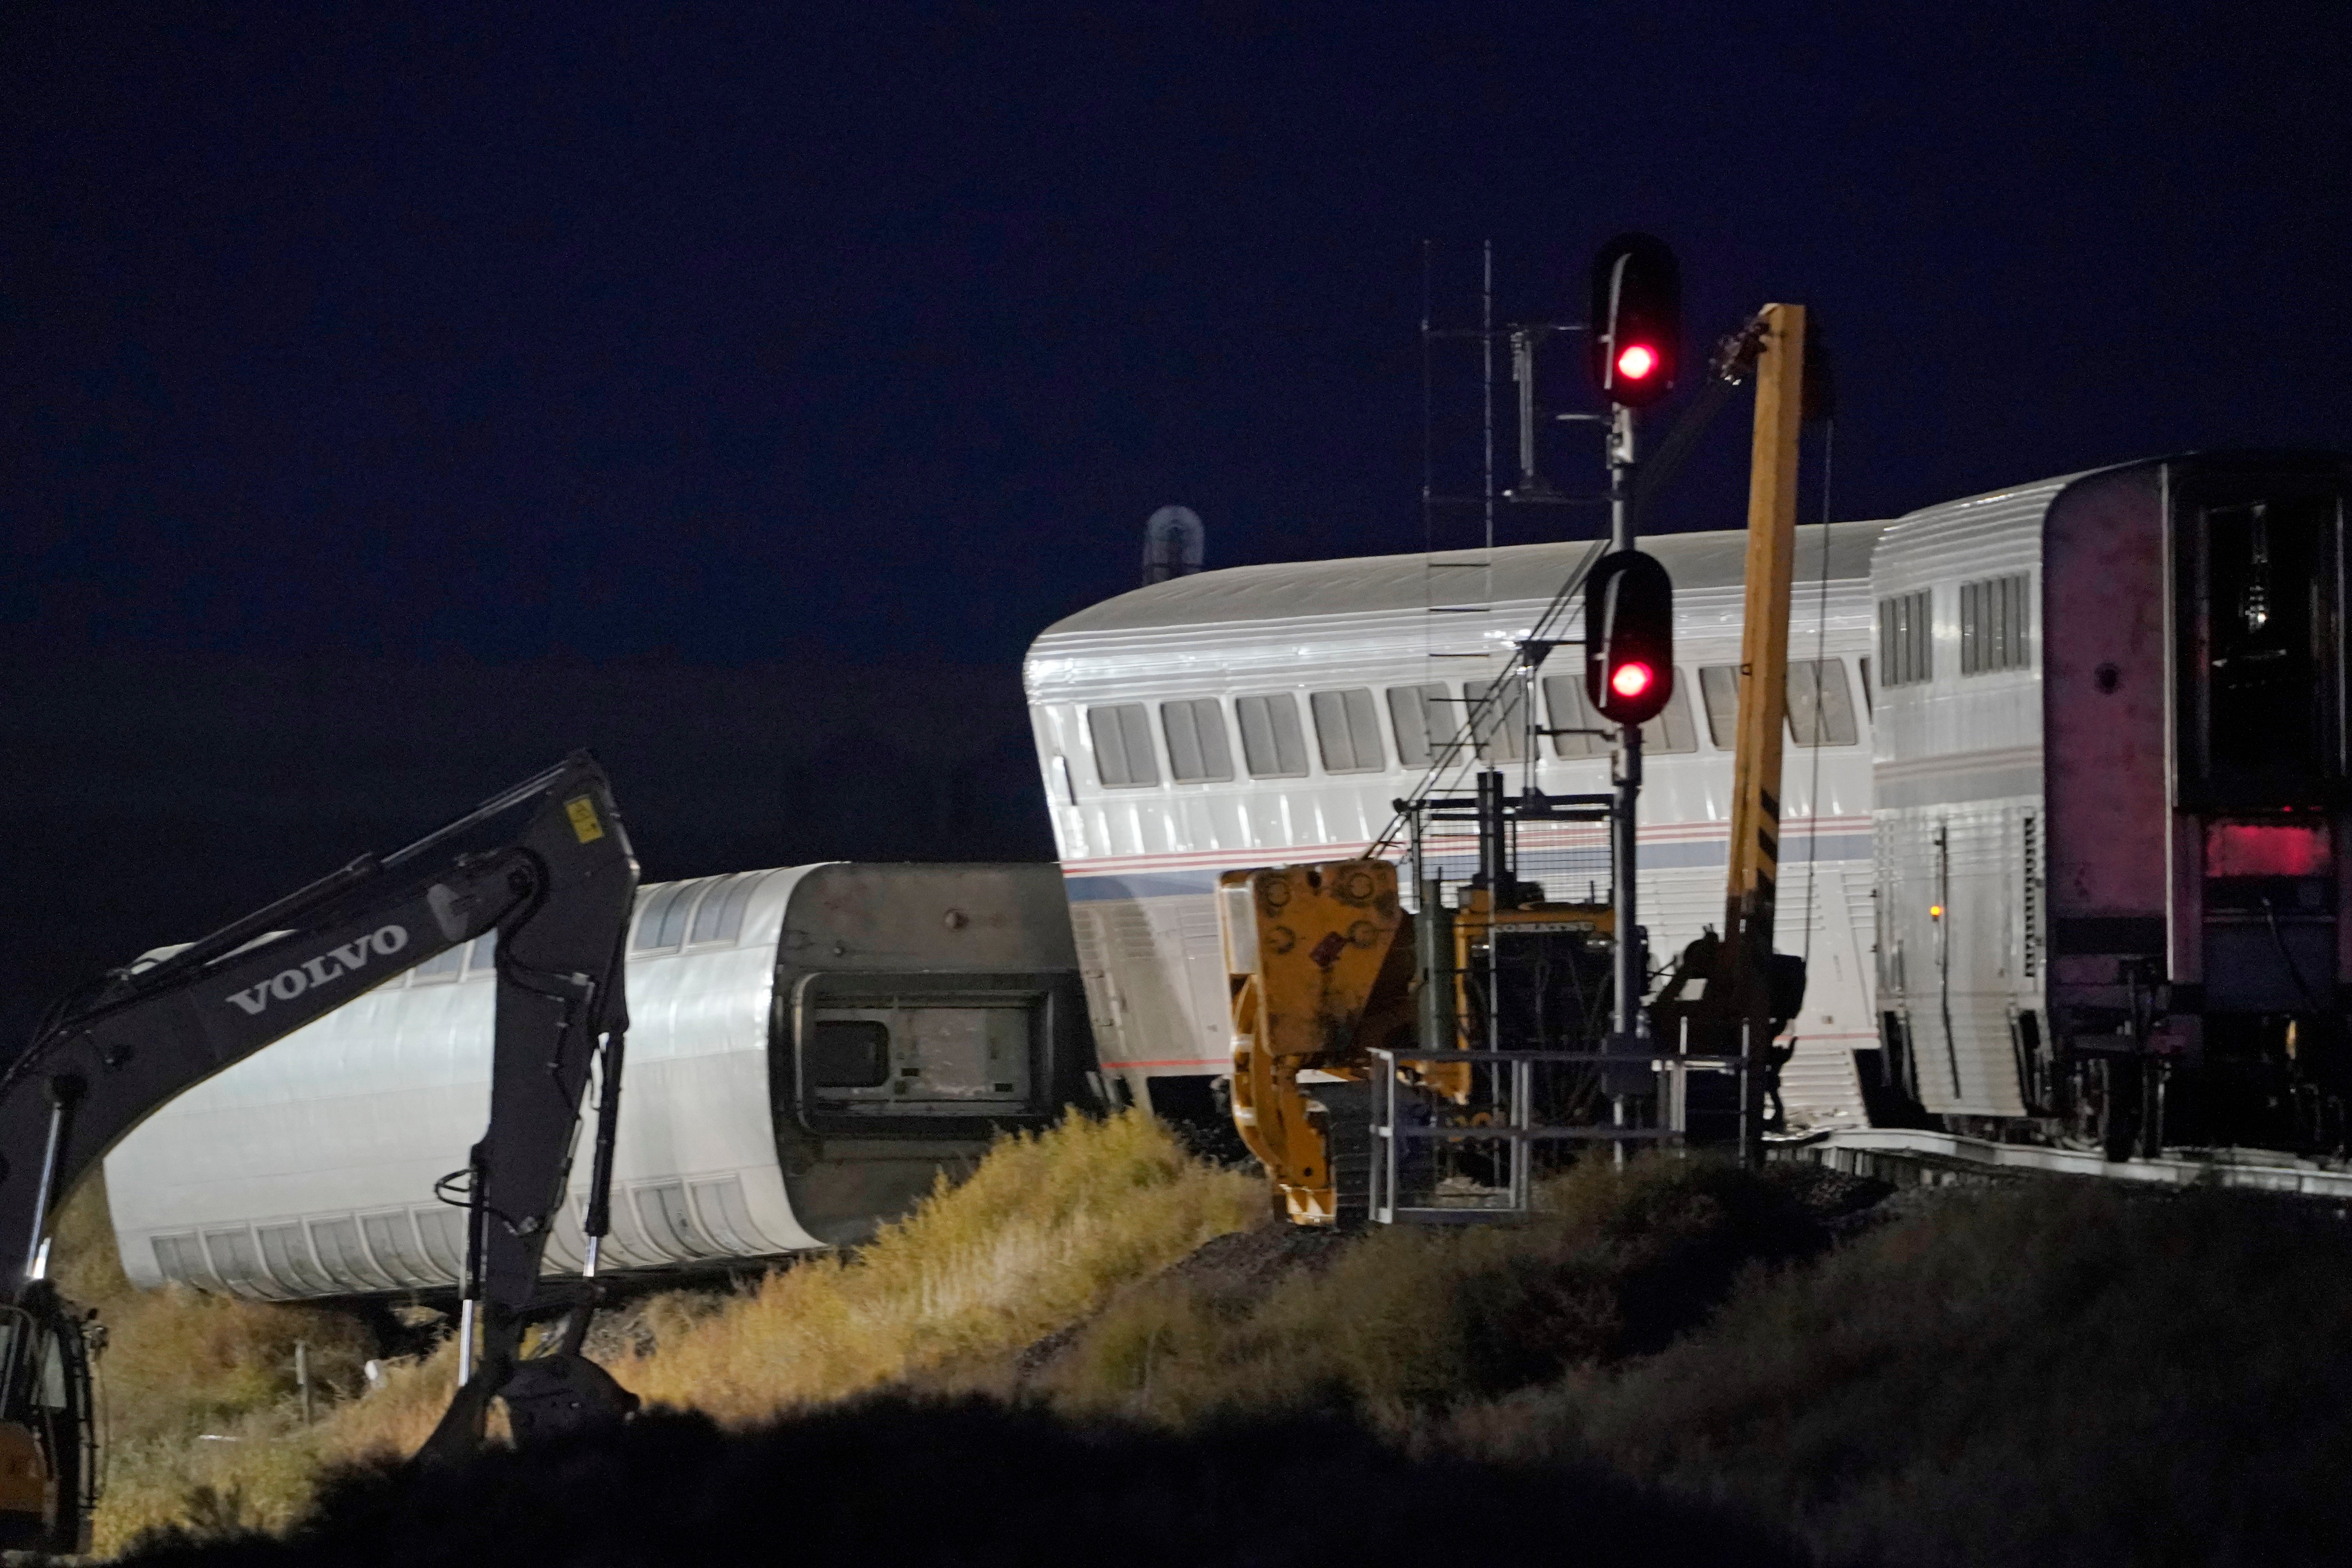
1423 718
1273 745
440 967
1821 704
705 925
1570 710
653 916
1718 687
1347 730
672 926
235 1257
1498 718
1122 737
2261 653
443 1232
1906 645
1197 748
721 916
287 1256
1672 730
1994 625
178 1257
481 954
392 1241
337 1243
848 1053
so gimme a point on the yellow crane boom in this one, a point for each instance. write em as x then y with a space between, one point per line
1749 994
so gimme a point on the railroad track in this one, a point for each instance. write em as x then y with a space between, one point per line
1912 1158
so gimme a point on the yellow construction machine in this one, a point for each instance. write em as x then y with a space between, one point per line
1320 964
1325 968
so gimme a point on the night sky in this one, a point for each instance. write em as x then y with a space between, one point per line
857 336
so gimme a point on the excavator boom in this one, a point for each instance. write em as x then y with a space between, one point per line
1319 961
545 864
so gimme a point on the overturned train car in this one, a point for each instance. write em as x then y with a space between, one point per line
810 1048
2113 806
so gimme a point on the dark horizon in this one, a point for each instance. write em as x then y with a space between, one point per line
165 798
597 334
613 342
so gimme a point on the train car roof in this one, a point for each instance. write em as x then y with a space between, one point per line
2038 495
1523 574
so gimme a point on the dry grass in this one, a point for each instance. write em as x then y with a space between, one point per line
1405 1320
197 1393
2050 1375
208 1440
1044 1231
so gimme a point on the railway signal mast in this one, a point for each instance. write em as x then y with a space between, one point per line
1636 349
1430 1008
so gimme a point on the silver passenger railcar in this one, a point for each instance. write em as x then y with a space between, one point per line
2114 789
810 1048
1265 714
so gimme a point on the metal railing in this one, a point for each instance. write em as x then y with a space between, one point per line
1511 1126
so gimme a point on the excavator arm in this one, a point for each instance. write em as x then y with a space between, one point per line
1318 960
547 865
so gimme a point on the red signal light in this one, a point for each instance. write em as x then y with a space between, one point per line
1636 360
1630 680
1636 329
1629 635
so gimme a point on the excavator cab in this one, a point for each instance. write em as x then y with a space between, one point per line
48 1449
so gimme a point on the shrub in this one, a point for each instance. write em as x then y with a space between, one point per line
2056 1373
974 1483
1616 1262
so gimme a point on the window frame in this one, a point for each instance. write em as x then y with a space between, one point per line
1657 734
1504 737
1342 703
1845 695
727 898
1906 639
1285 703
1192 706
1422 695
1118 715
1789 735
1997 624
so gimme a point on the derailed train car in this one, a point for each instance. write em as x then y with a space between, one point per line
2066 811
1262 715
810 1046
2115 805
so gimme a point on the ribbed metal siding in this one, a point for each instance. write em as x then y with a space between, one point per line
1961 752
306 1169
